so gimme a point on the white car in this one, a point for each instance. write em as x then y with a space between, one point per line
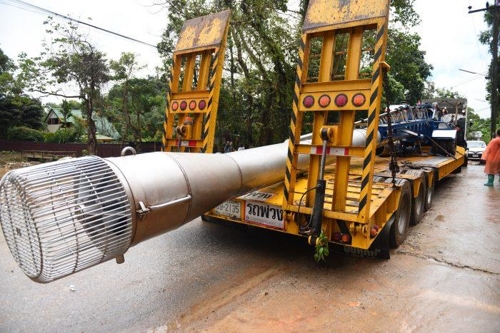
475 149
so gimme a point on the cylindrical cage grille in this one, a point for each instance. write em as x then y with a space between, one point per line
62 217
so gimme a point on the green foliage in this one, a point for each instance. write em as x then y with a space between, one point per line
394 92
10 115
65 111
477 124
408 66
69 58
32 115
321 249
404 13
63 135
136 107
19 111
445 93
9 85
16 109
486 38
22 133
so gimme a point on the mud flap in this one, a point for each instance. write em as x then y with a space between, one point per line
379 249
381 245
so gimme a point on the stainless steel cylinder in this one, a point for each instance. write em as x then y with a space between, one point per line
59 218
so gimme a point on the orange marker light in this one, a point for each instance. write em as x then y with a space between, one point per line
324 101
346 238
175 106
192 105
358 100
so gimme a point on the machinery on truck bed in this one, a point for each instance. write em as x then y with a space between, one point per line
328 186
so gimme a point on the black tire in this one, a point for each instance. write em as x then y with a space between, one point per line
418 202
399 229
429 195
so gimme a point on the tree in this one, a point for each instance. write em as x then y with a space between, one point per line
145 107
492 18
477 124
66 112
8 85
408 66
124 70
16 108
70 59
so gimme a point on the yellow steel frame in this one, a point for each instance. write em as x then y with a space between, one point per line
327 20
194 84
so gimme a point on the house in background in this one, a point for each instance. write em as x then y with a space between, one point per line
106 132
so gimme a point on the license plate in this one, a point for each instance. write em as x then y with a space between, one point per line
269 215
229 209
475 155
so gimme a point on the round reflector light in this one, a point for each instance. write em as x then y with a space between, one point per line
184 105
358 99
308 101
346 238
175 106
202 105
341 100
324 101
192 105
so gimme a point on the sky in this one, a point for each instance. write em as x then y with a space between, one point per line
449 35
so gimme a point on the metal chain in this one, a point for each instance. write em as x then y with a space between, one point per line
393 164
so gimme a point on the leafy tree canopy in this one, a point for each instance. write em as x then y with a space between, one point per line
69 59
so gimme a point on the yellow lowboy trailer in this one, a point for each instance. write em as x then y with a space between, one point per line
347 195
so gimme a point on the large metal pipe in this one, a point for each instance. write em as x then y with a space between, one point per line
59 218
62 217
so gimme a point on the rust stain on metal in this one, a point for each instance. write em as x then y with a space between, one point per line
203 32
327 12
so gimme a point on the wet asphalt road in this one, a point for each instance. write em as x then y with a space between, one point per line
205 277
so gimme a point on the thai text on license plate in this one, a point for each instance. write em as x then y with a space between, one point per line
263 213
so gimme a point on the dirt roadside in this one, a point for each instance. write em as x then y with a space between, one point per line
12 160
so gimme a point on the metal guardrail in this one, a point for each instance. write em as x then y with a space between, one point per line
46 155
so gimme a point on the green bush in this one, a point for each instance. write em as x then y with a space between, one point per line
24 134
49 137
63 135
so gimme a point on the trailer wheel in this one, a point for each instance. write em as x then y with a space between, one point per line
418 206
429 196
399 229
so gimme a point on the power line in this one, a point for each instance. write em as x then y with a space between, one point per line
44 10
477 40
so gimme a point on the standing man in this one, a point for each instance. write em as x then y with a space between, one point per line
492 157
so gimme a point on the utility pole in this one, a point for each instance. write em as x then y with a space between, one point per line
494 63
494 73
